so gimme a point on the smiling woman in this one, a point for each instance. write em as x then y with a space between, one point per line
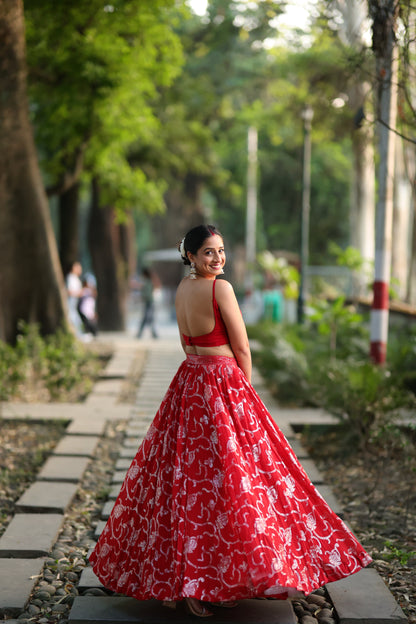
215 507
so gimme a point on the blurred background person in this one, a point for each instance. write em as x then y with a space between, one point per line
74 288
150 283
87 308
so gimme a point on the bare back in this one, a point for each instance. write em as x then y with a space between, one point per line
195 315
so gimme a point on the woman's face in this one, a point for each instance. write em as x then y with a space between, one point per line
210 257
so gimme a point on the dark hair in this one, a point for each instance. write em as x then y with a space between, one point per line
195 238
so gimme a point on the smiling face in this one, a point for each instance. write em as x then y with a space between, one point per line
210 257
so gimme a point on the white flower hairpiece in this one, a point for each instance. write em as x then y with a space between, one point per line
182 248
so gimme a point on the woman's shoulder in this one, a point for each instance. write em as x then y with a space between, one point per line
223 286
223 291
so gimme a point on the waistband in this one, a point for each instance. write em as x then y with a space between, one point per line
193 358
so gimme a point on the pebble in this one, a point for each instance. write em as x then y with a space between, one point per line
59 608
71 576
33 609
325 613
316 599
42 594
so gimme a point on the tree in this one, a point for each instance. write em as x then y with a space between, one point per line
384 17
31 284
92 99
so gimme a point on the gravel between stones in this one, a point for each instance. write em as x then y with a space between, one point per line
376 488
54 593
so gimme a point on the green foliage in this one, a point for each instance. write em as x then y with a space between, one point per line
94 75
361 394
338 322
12 371
391 553
283 366
401 356
57 364
325 363
283 273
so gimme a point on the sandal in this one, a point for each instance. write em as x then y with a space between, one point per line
230 604
194 607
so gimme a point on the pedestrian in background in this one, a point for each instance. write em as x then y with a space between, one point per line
148 299
74 289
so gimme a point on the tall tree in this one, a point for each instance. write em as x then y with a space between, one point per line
93 98
31 284
359 90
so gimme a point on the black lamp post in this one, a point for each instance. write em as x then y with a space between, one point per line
307 116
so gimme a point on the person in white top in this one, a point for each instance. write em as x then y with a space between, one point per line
74 289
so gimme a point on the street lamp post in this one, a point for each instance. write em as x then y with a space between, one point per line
307 116
252 141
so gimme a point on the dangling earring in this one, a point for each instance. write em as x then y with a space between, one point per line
192 272
222 271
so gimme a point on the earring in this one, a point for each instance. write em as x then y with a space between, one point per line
222 271
192 272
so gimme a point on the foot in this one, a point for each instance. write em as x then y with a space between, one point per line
170 604
194 607
228 604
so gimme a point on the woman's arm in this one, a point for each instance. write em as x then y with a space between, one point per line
234 323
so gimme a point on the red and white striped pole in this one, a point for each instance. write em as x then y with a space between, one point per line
387 76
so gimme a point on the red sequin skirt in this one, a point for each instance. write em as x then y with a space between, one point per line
216 506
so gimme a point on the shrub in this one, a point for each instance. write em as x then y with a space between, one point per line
49 367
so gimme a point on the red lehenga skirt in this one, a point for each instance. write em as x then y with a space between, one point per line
216 506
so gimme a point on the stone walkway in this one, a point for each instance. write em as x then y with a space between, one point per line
361 598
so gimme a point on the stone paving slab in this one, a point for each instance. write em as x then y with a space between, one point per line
88 580
47 497
308 416
363 598
119 366
99 529
118 476
77 446
114 492
118 610
299 450
123 464
107 509
326 492
108 387
284 425
28 536
312 471
133 442
67 469
102 409
18 576
129 452
86 427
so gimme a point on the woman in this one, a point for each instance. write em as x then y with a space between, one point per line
215 506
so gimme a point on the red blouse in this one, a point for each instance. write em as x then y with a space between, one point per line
217 337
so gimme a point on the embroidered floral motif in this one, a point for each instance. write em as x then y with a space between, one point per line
212 505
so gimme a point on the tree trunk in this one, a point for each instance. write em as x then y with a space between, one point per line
31 282
111 271
362 213
69 227
402 222
384 18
